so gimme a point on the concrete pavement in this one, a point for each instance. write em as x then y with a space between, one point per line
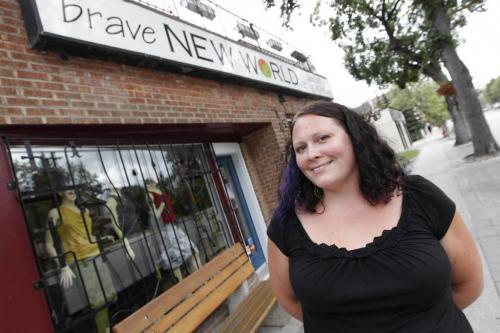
475 188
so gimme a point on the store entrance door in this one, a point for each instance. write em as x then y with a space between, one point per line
239 205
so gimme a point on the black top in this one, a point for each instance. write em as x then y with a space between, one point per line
400 282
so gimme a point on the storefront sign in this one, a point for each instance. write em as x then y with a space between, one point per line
128 27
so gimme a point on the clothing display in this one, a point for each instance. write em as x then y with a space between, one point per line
74 236
178 245
400 282
167 215
95 272
90 276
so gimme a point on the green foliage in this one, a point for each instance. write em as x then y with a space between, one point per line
421 98
492 91
409 154
385 41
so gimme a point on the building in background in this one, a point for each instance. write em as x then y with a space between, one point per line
392 127
389 123
118 100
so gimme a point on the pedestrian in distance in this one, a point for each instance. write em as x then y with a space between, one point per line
358 245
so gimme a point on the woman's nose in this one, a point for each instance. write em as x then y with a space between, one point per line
313 152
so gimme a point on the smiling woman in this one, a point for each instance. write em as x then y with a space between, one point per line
356 244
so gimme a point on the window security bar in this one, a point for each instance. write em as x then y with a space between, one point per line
151 213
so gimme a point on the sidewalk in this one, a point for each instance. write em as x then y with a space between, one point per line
475 188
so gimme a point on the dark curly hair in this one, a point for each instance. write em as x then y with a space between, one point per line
379 170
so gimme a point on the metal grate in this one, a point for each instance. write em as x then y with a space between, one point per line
147 215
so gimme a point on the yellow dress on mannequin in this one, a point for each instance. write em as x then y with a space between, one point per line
92 274
74 236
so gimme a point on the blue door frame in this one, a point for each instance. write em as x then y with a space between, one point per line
257 256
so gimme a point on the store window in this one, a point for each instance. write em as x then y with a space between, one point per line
115 225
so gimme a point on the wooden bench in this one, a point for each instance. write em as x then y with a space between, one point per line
189 303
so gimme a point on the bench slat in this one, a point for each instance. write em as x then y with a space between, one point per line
196 300
149 313
213 301
254 318
252 311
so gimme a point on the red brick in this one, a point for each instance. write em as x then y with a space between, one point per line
11 111
68 95
37 93
98 113
40 112
107 106
4 91
80 104
54 102
50 86
32 75
25 120
72 112
22 101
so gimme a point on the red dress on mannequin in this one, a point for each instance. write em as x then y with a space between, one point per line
168 215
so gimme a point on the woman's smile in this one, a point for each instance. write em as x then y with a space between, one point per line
320 167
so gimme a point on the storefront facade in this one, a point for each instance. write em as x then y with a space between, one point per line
104 114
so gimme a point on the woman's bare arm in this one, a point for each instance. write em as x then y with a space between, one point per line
280 281
465 261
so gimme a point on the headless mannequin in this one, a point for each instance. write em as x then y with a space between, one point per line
160 213
74 238
112 204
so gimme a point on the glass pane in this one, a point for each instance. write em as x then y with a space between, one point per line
113 226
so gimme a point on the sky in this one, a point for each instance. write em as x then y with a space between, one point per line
480 54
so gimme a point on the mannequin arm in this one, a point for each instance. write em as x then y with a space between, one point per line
66 274
111 203
160 208
66 277
128 248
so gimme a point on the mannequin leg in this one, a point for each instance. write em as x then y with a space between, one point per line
102 321
194 262
177 273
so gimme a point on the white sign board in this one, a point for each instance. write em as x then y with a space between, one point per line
127 26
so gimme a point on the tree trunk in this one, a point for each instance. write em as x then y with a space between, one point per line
462 132
482 139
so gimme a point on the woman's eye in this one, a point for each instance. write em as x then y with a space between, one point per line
323 138
299 149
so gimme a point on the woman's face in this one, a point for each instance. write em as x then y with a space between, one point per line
323 151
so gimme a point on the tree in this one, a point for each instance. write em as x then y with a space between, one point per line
420 97
492 91
439 16
391 41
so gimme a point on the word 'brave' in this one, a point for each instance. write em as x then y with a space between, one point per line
115 25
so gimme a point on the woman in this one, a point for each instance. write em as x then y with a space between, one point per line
356 245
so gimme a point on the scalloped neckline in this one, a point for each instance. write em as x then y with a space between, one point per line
387 238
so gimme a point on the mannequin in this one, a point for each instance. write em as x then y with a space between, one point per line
76 240
112 202
180 246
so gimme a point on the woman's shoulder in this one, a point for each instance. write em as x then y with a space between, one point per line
280 230
419 184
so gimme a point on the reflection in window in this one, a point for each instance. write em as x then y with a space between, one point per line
114 226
